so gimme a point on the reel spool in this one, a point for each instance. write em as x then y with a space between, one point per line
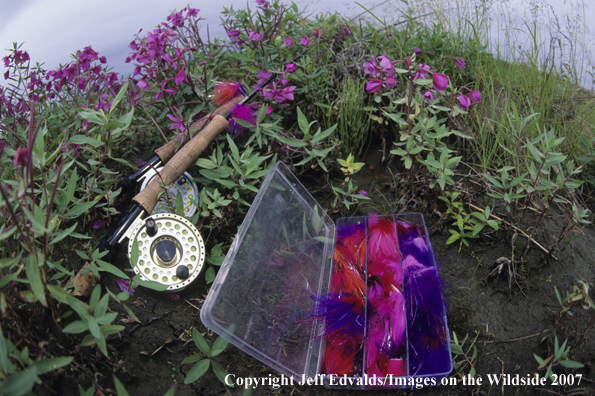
185 185
171 250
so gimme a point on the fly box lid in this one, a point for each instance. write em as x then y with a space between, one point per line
275 272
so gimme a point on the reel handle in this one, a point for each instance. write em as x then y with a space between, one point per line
167 151
178 164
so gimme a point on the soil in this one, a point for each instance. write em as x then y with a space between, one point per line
509 323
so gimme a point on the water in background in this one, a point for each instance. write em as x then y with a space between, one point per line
552 33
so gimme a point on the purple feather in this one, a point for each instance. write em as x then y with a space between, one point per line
342 313
428 348
244 113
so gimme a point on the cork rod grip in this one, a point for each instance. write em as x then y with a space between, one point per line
175 167
168 150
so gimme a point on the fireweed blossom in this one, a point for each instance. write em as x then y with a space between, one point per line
305 41
234 35
288 42
21 157
460 63
373 69
280 95
180 77
421 72
440 82
290 68
263 3
373 85
428 95
254 36
176 123
417 51
464 102
475 96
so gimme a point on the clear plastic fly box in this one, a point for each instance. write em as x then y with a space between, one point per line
355 305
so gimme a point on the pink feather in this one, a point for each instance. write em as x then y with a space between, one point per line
382 239
225 91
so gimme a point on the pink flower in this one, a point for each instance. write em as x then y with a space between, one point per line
417 51
280 94
440 82
475 96
124 285
263 3
460 63
234 35
21 157
428 95
181 76
374 84
99 225
305 41
290 68
254 36
363 192
421 72
464 102
176 123
371 68
288 42
386 64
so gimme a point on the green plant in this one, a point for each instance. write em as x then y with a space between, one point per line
572 308
469 225
464 358
18 372
313 147
204 360
559 357
354 124
216 258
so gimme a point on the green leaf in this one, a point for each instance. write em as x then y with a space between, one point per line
120 388
322 135
94 327
303 122
197 371
193 358
35 278
119 96
112 269
206 163
45 365
221 373
20 384
76 327
571 364
106 318
131 314
234 149
94 297
292 142
80 209
153 285
114 329
63 234
134 254
219 346
82 140
200 342
455 235
209 275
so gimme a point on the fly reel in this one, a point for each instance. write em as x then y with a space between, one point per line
171 250
185 185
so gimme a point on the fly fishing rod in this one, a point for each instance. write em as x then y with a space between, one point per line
170 249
